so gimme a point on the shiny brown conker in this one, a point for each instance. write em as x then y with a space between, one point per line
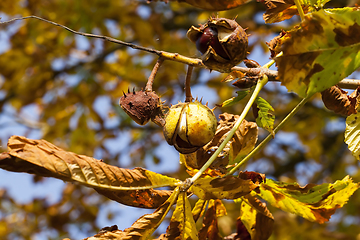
209 37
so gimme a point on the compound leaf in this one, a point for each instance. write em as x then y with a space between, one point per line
323 50
313 202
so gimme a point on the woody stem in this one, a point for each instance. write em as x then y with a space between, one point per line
188 96
150 81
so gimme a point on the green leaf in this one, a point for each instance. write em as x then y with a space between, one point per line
241 95
323 50
228 187
312 202
265 118
352 134
182 223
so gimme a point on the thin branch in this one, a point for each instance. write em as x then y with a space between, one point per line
196 62
150 81
188 96
171 56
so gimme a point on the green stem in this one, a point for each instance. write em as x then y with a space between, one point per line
299 8
269 137
261 83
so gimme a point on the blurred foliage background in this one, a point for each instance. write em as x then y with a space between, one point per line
65 89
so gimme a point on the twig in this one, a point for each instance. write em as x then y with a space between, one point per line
271 74
188 96
150 81
166 55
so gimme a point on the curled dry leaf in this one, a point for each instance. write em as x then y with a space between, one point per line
280 10
241 144
338 101
130 187
275 44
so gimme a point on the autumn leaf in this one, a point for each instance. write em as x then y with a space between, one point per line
144 227
280 10
228 187
256 218
265 118
212 5
182 224
45 159
312 202
210 228
199 209
322 51
352 134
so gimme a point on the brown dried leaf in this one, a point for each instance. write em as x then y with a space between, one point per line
338 101
280 10
143 227
130 187
210 228
275 44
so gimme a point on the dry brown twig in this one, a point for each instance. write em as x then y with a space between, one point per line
196 62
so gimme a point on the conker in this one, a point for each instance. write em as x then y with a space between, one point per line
209 37
223 43
189 126
143 106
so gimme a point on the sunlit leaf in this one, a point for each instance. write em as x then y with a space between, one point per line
45 159
222 187
352 134
280 10
256 217
265 118
321 52
199 209
313 202
182 224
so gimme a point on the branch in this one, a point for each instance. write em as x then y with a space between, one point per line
196 62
